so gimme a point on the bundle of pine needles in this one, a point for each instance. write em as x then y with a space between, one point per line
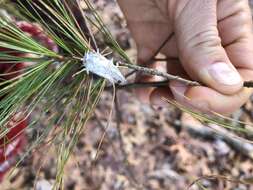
50 80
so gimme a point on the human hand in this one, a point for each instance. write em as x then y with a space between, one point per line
213 44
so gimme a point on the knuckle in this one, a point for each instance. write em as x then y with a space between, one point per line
240 4
237 8
244 16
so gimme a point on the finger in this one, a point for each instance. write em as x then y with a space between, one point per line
211 100
157 95
143 94
174 67
237 38
148 45
149 29
200 49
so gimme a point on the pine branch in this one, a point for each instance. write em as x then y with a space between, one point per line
155 72
147 71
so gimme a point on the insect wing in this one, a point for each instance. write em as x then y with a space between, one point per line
116 74
99 65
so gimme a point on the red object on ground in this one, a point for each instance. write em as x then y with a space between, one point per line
12 144
9 151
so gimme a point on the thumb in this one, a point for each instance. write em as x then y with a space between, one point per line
200 48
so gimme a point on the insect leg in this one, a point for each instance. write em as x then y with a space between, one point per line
79 72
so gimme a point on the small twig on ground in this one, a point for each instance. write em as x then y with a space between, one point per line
217 177
216 132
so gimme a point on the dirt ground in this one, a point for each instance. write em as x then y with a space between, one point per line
156 149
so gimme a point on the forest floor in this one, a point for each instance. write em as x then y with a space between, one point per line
155 149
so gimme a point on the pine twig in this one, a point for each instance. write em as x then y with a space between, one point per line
217 177
155 72
248 84
161 46
216 132
142 85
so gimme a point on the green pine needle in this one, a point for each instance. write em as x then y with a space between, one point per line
50 80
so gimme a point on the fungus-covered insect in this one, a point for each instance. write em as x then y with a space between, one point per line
96 63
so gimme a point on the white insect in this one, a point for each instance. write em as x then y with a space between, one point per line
96 63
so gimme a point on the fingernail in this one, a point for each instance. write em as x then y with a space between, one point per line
178 90
159 98
224 74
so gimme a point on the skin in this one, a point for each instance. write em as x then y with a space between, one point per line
209 38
